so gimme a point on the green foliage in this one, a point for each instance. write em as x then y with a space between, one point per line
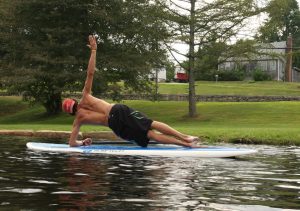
46 54
207 60
115 92
259 75
170 68
284 20
231 75
211 55
206 74
296 58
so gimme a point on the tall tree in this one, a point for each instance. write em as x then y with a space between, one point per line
197 23
47 51
283 20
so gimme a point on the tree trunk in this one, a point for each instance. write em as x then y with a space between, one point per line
192 94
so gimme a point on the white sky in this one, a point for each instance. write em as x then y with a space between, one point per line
248 32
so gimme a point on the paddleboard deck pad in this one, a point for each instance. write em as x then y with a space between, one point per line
163 150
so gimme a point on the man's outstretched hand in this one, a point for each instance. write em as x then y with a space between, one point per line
92 42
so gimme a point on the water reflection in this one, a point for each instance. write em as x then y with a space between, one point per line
269 180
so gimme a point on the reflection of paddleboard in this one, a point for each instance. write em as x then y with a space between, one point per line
164 151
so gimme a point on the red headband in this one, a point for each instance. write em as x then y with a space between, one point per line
67 105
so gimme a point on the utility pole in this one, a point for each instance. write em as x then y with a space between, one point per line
288 66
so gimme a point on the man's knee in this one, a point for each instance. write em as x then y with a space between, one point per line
151 134
155 124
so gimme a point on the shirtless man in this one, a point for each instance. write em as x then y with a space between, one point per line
124 121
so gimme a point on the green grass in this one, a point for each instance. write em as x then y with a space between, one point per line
234 88
263 122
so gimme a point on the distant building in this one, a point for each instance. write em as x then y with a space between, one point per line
271 59
180 74
159 73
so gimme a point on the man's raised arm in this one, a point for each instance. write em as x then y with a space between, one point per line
91 66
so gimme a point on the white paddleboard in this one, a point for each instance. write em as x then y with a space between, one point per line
163 150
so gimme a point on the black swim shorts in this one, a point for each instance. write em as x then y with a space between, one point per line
129 124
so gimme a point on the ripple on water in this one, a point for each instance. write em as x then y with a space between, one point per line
125 165
43 182
23 190
81 174
152 167
288 187
3 178
68 193
233 207
278 179
140 200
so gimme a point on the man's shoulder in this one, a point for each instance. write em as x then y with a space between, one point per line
86 98
89 96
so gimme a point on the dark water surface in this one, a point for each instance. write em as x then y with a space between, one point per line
268 180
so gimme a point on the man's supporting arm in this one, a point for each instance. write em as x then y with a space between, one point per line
73 142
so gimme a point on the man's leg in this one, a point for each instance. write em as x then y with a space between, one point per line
167 130
164 139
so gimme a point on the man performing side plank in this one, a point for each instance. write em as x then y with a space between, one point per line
124 121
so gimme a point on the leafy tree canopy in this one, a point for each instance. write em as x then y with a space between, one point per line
45 54
283 19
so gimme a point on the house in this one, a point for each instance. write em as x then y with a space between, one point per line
159 73
180 74
271 58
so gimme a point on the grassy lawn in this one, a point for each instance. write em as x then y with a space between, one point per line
234 88
264 122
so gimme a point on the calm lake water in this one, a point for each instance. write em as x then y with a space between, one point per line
268 180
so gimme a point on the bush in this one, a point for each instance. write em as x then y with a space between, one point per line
259 75
231 75
207 75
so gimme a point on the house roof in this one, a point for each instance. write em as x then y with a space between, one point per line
273 47
266 51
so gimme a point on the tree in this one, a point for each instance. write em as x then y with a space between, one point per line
45 55
170 69
210 55
197 23
283 20
47 51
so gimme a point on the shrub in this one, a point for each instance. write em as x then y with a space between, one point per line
231 75
259 75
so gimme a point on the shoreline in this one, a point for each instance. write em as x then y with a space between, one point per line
104 135
110 136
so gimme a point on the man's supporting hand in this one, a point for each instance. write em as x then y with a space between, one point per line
86 142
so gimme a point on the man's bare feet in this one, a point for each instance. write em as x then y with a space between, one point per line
193 144
196 145
191 139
